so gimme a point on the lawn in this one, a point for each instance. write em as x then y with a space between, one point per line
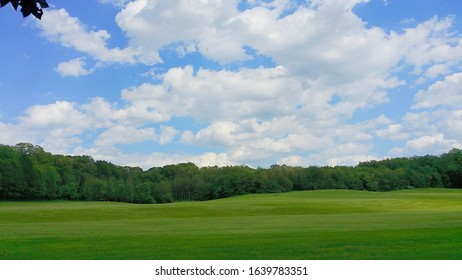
331 224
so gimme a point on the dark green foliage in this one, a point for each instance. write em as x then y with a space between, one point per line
142 193
27 172
28 7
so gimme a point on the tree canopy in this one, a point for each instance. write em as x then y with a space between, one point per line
28 172
28 7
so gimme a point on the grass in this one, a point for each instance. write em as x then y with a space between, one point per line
333 224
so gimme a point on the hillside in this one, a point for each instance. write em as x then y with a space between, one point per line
327 224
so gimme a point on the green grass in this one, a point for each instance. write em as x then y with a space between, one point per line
334 224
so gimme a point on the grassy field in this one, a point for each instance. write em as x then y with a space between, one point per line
334 224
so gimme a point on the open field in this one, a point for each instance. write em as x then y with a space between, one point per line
332 224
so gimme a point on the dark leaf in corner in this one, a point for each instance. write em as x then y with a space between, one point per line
28 7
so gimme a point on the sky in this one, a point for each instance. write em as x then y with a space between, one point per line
234 82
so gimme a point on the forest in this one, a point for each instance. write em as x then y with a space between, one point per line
27 172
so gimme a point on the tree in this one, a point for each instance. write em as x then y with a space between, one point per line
161 192
452 162
34 7
27 172
11 173
142 193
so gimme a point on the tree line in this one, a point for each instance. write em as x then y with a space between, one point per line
27 172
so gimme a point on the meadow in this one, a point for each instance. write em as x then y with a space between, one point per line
323 224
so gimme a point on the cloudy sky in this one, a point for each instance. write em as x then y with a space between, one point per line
223 82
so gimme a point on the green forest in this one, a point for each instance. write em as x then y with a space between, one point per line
27 172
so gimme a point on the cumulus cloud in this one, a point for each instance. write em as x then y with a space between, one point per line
346 154
327 65
435 123
116 3
167 134
11 134
61 27
427 132
428 144
339 44
61 113
56 126
120 134
393 132
212 95
431 42
202 23
442 93
147 161
340 47
73 68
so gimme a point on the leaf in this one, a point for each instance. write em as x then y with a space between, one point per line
4 2
43 4
38 13
15 4
28 7
26 11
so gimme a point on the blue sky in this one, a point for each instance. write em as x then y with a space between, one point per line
153 82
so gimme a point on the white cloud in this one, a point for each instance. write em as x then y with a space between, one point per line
73 68
393 132
280 139
338 41
57 127
442 93
433 45
151 25
424 142
215 95
61 113
120 134
437 70
217 134
451 124
101 111
329 66
147 161
116 3
428 144
346 154
427 132
60 27
293 160
444 121
11 134
145 104
167 134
